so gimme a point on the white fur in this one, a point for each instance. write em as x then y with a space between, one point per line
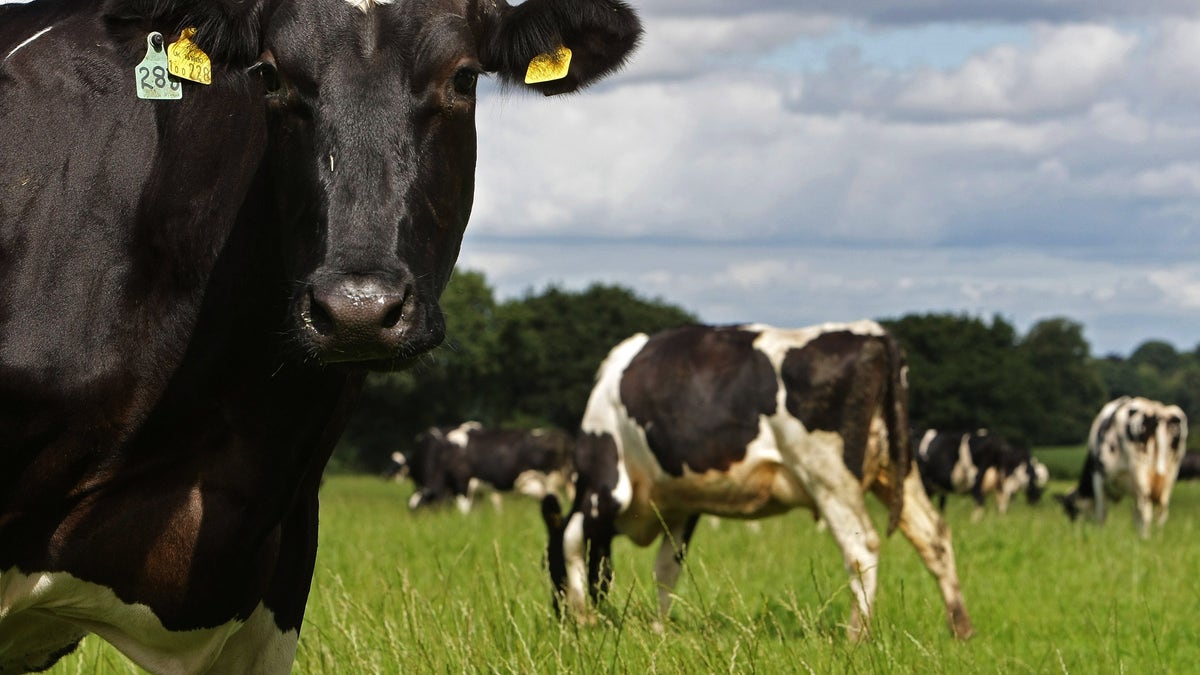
366 5
39 599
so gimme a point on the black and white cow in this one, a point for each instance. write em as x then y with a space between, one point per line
462 462
191 289
746 422
978 462
1135 447
1005 469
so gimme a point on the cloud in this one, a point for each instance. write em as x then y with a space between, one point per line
1068 67
911 12
1052 171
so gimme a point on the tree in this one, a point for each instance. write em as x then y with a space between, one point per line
551 345
1065 386
964 374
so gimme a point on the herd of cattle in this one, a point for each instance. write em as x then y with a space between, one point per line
751 421
195 275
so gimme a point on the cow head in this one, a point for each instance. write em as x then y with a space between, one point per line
373 148
1038 477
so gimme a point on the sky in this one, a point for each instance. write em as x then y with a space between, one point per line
795 162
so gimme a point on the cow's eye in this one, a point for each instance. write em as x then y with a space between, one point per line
465 80
270 76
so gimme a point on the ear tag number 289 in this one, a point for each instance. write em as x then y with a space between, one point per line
152 77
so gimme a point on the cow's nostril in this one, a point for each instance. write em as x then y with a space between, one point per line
319 316
393 315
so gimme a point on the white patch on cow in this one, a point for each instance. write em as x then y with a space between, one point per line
414 502
777 342
461 435
38 599
1041 473
926 440
258 647
366 5
964 473
532 483
464 502
28 41
605 414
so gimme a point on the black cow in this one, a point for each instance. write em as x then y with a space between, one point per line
460 462
746 422
1189 466
978 462
190 290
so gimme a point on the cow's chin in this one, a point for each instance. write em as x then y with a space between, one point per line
397 348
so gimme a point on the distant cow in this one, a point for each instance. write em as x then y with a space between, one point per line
459 462
192 286
978 462
746 422
1135 447
1189 466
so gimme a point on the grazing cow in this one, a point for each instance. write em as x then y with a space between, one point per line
746 422
191 289
944 461
1134 447
978 462
460 462
1006 468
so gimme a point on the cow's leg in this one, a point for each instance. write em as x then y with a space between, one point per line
669 563
930 535
1164 505
1098 496
979 493
846 514
1143 514
575 559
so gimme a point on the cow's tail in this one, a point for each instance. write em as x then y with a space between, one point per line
895 413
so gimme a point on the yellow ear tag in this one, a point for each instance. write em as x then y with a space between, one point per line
548 67
186 60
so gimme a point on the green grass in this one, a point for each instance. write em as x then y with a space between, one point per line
445 593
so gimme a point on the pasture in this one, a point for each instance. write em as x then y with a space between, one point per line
442 592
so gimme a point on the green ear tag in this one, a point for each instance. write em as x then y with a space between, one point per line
152 77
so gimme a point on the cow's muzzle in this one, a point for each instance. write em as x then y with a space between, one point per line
375 320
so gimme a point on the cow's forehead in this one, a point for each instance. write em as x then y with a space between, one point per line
346 30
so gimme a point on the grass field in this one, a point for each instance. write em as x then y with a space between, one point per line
446 593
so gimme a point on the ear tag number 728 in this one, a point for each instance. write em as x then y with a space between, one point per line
152 76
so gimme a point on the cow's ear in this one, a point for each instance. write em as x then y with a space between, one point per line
599 34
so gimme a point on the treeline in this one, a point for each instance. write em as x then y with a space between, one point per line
531 362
